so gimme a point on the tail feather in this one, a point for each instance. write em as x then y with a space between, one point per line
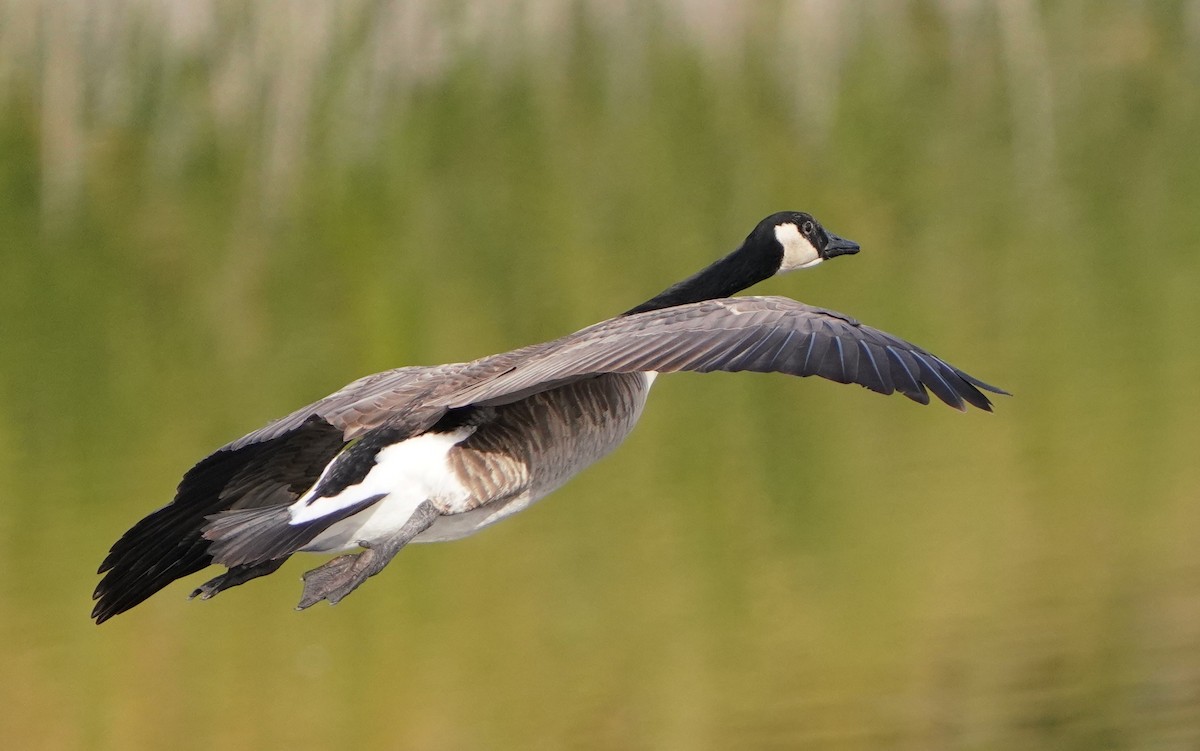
247 536
169 543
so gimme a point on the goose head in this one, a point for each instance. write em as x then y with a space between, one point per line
783 242
791 240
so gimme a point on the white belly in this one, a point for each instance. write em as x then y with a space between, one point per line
407 474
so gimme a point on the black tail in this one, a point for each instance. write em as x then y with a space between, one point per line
155 552
169 543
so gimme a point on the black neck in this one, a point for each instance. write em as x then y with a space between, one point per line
725 277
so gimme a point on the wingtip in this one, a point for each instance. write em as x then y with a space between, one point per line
985 403
982 385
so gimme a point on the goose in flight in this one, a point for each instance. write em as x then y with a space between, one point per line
434 453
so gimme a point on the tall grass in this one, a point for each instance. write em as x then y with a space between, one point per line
280 82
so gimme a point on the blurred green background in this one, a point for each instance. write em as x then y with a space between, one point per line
213 212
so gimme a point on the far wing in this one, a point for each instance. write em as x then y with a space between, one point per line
259 475
393 396
762 334
407 400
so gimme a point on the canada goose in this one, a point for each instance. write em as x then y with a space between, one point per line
428 454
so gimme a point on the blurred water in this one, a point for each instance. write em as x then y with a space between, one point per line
213 214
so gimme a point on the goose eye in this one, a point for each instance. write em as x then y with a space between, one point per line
808 227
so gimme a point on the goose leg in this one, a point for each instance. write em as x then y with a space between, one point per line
342 575
235 576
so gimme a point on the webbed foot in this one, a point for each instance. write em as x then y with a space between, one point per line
338 578
342 575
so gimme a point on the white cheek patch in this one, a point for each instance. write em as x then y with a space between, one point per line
798 252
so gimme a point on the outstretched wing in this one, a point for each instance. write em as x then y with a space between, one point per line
269 469
763 334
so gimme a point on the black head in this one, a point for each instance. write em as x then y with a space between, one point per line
795 240
782 242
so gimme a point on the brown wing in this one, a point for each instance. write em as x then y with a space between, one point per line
763 334
370 402
271 467
409 400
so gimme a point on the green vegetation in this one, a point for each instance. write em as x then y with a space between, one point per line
213 214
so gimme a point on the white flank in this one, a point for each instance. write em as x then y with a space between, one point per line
798 252
408 472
